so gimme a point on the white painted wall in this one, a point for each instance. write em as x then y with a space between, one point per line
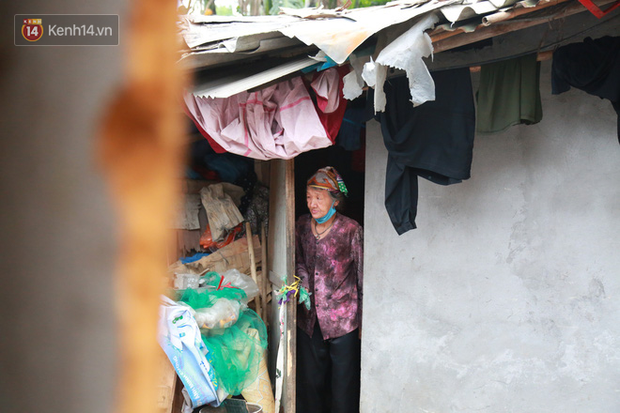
505 299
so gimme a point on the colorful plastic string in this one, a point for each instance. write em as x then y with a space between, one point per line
227 285
295 289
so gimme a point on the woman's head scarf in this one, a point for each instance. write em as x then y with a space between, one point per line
328 178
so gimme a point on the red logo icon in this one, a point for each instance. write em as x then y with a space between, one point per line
32 29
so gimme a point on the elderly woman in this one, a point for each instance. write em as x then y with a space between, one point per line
329 258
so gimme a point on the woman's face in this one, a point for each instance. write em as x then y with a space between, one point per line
319 201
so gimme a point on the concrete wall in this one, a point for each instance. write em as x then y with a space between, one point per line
505 297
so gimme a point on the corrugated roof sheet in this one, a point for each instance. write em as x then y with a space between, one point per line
336 32
215 41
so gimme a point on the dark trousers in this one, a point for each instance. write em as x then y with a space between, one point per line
328 373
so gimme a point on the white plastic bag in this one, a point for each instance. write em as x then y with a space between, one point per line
222 212
223 314
245 282
179 337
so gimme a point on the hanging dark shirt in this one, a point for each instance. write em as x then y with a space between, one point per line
592 66
434 141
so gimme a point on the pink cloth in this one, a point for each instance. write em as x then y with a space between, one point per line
278 122
331 104
326 86
214 145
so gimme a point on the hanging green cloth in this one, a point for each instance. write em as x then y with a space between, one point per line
509 94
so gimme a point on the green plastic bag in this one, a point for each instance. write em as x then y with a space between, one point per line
236 351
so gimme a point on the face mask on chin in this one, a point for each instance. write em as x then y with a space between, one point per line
327 216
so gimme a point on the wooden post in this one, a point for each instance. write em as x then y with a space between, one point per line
248 234
290 375
264 272
281 264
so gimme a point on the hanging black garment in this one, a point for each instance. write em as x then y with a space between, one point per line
434 140
592 66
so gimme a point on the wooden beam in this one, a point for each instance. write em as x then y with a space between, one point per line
441 34
485 32
535 39
542 56
512 13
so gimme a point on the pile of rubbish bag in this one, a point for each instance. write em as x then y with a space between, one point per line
215 342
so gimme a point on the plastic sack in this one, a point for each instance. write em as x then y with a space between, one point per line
179 337
260 391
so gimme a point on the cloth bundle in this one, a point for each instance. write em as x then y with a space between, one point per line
277 122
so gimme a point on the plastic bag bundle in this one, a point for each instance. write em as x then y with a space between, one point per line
215 308
214 287
236 350
218 304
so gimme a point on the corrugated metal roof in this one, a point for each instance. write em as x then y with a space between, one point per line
215 41
336 32
242 80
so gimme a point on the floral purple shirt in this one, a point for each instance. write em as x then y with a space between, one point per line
331 270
